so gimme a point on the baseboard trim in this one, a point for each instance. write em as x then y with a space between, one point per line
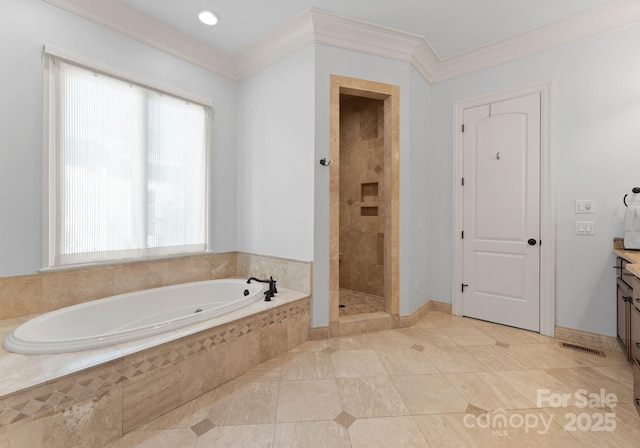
318 333
430 305
355 325
587 338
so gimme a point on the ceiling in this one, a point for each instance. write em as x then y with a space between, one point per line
450 27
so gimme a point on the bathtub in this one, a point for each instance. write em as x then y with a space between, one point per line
131 316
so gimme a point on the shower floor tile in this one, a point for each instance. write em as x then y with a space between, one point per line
356 302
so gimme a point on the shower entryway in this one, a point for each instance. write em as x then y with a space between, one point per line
363 199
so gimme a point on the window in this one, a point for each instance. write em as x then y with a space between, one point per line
127 167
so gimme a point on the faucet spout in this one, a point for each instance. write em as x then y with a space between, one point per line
271 291
257 280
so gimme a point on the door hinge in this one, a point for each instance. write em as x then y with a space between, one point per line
463 285
463 128
462 234
463 181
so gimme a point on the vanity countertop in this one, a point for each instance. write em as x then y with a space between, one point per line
631 255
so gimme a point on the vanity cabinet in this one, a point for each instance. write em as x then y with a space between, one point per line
624 295
628 328
634 341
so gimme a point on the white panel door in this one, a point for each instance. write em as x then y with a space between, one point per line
501 240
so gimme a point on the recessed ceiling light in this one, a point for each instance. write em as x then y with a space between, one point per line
208 17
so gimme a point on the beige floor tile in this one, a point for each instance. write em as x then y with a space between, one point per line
543 356
311 435
405 361
429 394
245 403
611 358
428 337
355 363
454 359
510 335
306 366
598 428
488 391
389 340
267 371
592 381
386 432
244 436
370 397
620 374
513 428
353 342
460 379
496 357
168 438
308 400
454 431
468 336
532 429
436 319
537 386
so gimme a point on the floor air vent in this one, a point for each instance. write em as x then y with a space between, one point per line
580 348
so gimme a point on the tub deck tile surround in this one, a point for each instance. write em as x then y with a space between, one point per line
136 382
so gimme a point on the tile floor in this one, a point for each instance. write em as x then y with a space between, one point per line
445 382
356 302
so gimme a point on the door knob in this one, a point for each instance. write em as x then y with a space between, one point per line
532 242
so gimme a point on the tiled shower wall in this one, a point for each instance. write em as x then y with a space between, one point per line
23 295
362 220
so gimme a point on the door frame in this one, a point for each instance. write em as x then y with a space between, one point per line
390 95
546 89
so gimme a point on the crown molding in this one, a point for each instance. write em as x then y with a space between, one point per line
605 18
343 32
292 36
143 28
316 26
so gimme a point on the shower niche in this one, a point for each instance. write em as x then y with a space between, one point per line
369 199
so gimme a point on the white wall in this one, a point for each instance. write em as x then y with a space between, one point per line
423 268
25 25
275 159
597 155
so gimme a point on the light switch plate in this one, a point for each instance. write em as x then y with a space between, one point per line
585 228
584 206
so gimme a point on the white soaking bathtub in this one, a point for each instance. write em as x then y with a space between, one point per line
131 316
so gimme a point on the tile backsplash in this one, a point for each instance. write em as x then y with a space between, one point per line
23 295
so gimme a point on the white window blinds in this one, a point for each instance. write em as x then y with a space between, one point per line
129 169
